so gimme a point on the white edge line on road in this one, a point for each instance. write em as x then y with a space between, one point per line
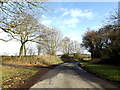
79 67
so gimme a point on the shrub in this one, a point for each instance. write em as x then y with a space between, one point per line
95 61
65 56
77 56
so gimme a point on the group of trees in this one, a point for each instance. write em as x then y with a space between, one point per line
69 46
20 20
54 42
104 44
50 44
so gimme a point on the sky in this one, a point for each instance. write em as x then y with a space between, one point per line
72 18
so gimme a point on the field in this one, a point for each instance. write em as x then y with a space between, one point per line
87 59
17 71
108 72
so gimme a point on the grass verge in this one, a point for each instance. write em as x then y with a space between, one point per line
108 72
14 76
87 59
16 71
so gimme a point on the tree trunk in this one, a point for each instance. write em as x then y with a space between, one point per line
38 52
92 55
21 48
24 50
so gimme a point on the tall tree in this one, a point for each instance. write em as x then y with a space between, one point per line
76 47
16 16
28 30
40 49
104 43
11 9
88 42
52 41
66 45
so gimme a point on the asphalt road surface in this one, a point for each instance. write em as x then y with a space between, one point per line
70 75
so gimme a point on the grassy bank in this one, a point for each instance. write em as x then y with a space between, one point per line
32 60
109 72
14 76
15 70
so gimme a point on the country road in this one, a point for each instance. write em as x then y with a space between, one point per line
69 75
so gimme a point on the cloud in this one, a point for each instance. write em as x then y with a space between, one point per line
71 21
70 18
75 36
63 9
72 26
75 13
81 13
65 13
43 16
46 22
10 48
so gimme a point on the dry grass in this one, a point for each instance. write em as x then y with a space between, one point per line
16 70
32 60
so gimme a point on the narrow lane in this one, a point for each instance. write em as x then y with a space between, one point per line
69 75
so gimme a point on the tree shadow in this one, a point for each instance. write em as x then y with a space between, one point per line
28 67
66 68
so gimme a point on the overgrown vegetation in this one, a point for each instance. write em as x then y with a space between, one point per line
78 56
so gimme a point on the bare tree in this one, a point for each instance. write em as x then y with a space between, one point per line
11 9
28 30
40 49
69 46
52 42
66 45
17 20
76 47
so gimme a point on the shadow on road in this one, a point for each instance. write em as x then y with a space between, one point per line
68 68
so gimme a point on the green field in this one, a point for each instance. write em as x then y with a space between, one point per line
109 72
87 59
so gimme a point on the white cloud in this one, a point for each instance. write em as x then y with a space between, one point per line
46 22
70 18
65 13
72 26
75 36
10 48
75 13
80 13
63 9
43 16
71 21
